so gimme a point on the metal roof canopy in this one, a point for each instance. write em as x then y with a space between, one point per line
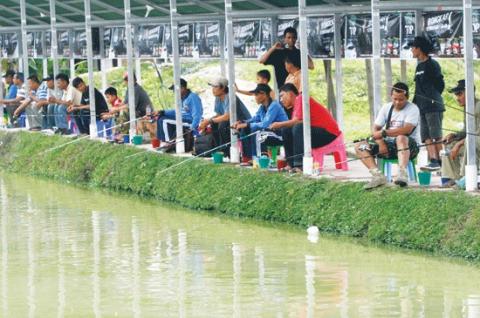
34 15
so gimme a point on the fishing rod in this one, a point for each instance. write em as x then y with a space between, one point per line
437 102
88 136
207 152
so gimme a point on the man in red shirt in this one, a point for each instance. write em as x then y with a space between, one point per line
324 128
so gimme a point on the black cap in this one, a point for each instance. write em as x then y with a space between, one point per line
262 88
48 78
183 83
422 43
459 88
9 73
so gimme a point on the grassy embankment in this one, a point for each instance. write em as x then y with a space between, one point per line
439 222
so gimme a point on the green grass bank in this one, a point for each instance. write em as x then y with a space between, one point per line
444 223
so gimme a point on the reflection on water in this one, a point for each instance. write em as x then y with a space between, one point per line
70 252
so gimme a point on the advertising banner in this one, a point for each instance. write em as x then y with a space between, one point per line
35 44
9 45
207 39
321 37
252 38
115 42
79 45
390 35
149 40
185 40
63 41
408 28
358 36
445 30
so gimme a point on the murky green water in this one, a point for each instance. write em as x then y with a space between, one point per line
75 253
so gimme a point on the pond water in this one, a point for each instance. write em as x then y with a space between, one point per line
70 252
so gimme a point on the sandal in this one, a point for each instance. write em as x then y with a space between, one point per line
296 170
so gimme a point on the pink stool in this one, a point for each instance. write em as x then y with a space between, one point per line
337 148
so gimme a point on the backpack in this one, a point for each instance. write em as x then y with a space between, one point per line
203 144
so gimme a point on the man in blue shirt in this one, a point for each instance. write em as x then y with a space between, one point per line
220 123
192 111
11 91
16 94
270 111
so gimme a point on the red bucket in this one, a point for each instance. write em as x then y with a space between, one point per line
281 163
155 142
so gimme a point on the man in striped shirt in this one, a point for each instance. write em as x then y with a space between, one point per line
34 103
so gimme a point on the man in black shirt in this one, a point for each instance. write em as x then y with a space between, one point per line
277 54
429 86
81 112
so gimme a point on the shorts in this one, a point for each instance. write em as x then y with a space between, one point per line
393 151
431 126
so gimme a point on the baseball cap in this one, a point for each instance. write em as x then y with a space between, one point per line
219 81
9 73
183 83
422 43
262 88
459 88
20 76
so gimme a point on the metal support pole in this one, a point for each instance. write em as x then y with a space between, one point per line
138 70
45 67
104 74
223 62
418 22
377 66
471 167
72 68
180 147
274 39
91 80
307 136
2 88
338 69
131 81
53 40
23 23
387 63
403 71
234 153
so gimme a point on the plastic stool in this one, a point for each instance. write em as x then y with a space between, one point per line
337 148
386 168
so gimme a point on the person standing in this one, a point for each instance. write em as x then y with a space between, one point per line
277 54
429 86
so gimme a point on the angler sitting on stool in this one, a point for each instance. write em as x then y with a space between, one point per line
192 111
395 136
454 157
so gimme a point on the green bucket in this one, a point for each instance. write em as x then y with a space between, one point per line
217 157
424 178
273 152
137 140
263 162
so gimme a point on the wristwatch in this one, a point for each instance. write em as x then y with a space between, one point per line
384 133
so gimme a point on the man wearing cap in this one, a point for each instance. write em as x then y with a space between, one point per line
220 122
34 103
324 128
454 157
14 101
268 113
192 111
429 86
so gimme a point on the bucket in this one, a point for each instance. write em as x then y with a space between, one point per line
263 162
126 139
217 157
137 140
155 143
281 163
424 178
273 152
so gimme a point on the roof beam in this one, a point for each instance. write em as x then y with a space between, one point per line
17 13
10 22
207 6
155 6
263 4
46 13
74 9
110 7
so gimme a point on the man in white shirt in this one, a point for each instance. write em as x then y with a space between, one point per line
395 136
71 96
